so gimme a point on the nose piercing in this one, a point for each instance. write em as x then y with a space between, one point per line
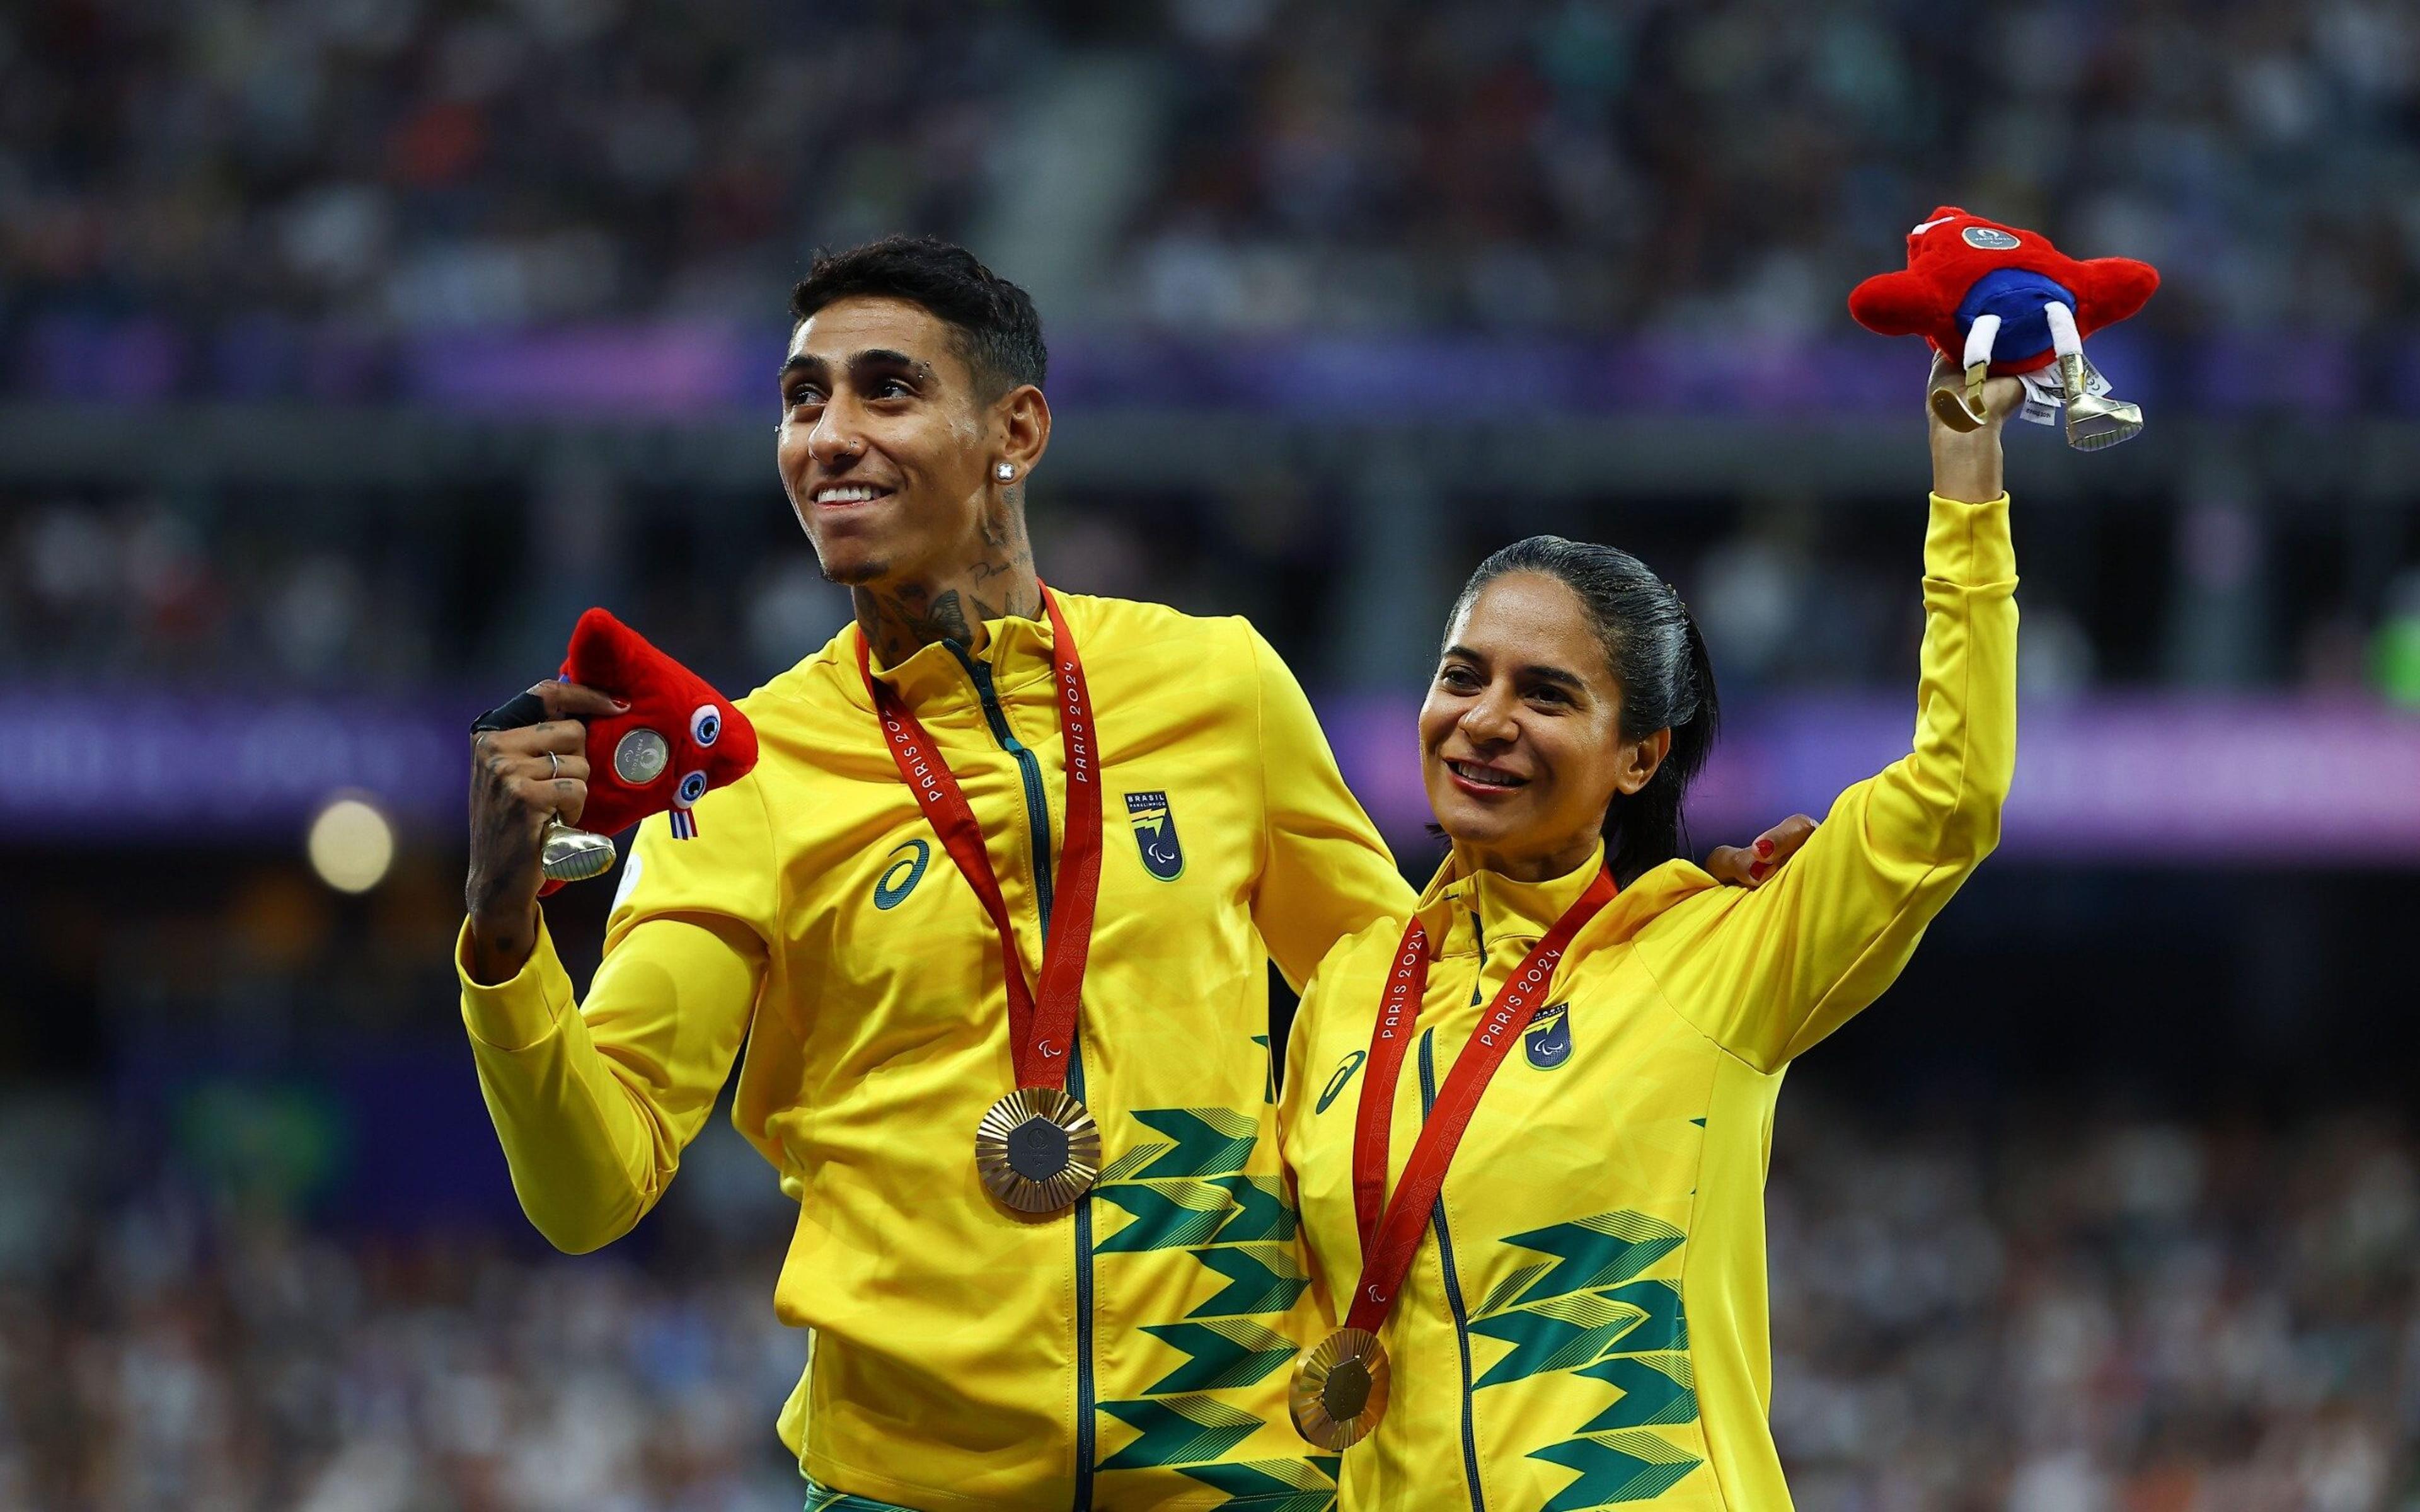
1003 472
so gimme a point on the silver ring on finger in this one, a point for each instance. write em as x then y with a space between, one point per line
556 770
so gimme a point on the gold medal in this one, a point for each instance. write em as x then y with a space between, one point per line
1340 1388
1038 1150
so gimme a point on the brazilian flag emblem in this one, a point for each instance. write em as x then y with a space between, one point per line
1154 828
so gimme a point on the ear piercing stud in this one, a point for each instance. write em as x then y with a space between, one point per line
1003 472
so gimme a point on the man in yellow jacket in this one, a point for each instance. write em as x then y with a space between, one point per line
1128 1350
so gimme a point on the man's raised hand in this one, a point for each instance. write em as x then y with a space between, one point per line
520 779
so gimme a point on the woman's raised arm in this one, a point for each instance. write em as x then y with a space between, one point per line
1768 972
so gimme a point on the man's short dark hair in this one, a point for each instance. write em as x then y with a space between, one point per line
994 328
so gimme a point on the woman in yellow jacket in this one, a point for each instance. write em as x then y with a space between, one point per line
1529 1125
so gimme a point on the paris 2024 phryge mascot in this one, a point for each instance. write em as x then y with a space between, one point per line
675 741
2001 301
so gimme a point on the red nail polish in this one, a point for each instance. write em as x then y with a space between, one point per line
1760 868
620 707
1764 847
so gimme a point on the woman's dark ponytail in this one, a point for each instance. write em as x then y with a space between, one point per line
1648 828
1658 658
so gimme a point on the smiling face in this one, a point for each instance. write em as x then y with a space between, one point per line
886 445
1521 739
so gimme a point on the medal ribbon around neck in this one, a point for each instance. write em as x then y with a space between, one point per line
1028 1167
1339 1385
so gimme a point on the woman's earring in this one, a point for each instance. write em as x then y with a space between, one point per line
1004 472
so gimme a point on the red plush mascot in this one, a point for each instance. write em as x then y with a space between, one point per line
678 740
2002 301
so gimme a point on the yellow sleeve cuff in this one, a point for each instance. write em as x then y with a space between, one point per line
524 1009
1968 543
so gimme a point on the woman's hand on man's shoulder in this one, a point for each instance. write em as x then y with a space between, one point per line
1753 865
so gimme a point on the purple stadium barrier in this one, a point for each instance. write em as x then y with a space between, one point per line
2157 779
673 368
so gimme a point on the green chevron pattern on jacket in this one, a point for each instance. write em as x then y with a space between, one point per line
1513 1284
1188 1190
1181 1212
822 1498
1175 1430
1615 1467
1655 1389
1208 1141
1262 1210
1586 1309
1224 1353
1167 1215
1273 1484
1559 1333
1664 1327
1600 1251
1260 1278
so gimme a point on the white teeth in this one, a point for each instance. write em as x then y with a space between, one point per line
851 494
1482 775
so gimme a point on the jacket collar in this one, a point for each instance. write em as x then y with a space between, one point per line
933 679
1506 909
1524 911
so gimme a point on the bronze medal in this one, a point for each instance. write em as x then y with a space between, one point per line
1340 1388
1037 1150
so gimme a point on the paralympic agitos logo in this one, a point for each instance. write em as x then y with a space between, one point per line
1154 828
1548 1037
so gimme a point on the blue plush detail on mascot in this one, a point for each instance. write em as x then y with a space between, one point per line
2016 295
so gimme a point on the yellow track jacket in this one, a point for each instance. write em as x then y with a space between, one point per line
1129 1354
1584 1323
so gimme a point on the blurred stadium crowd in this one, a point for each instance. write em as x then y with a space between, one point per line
249 589
1728 166
2086 1314
231 182
2082 1315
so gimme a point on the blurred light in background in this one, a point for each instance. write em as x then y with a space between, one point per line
351 845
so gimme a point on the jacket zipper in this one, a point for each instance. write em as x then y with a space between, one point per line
1037 808
1453 1282
1037 827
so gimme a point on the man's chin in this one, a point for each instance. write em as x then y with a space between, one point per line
854 574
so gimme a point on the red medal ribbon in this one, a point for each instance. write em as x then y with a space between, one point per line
1040 1032
1391 1231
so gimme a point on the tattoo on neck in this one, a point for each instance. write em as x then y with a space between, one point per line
898 618
949 620
999 530
1019 595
